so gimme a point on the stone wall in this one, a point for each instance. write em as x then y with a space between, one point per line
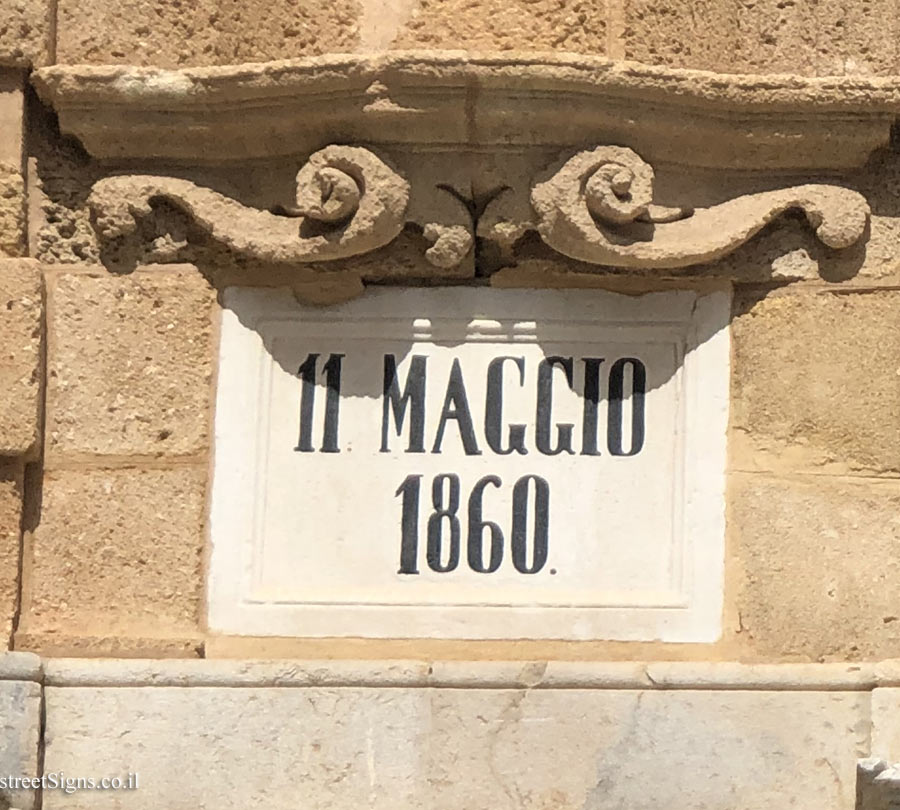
108 366
728 36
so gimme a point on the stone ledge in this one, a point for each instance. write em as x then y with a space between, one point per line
473 675
21 666
439 100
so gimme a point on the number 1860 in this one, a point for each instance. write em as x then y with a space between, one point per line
484 538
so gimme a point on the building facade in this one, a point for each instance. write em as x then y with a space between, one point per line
450 404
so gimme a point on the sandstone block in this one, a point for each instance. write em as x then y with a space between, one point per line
12 211
20 721
544 25
668 32
815 382
346 747
12 182
820 576
25 27
209 32
10 542
129 363
117 552
21 303
770 36
54 645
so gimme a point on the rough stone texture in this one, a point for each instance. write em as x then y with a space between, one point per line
169 33
10 534
12 211
570 25
770 36
116 553
815 382
25 27
20 725
21 302
820 576
877 785
129 363
452 748
110 647
12 182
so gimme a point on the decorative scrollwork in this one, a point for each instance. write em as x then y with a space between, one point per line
348 202
598 208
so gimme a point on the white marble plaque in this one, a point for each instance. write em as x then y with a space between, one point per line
471 463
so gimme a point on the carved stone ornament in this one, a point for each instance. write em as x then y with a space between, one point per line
598 208
348 202
448 152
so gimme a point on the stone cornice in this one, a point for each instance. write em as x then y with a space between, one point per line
444 101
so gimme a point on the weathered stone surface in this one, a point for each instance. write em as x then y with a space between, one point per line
10 543
116 553
468 673
72 645
21 302
573 25
12 211
211 32
459 106
815 382
25 27
12 182
20 716
669 32
129 363
820 578
450 748
744 36
877 784
347 202
599 197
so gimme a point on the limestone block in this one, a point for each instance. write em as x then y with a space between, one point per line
815 382
770 36
886 723
350 747
820 575
21 303
25 27
544 25
117 552
210 32
10 535
129 363
20 724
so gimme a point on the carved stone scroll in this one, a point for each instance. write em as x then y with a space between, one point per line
598 208
348 202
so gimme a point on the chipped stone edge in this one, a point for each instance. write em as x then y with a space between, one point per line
462 674
191 86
